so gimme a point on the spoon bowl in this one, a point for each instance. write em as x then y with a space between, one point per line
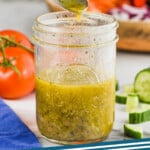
76 6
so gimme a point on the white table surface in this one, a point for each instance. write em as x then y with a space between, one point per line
20 15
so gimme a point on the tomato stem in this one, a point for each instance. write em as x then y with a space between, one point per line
15 69
6 42
16 44
8 63
5 61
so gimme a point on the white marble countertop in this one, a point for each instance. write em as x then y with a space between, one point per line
20 15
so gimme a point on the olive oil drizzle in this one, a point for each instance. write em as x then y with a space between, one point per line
76 6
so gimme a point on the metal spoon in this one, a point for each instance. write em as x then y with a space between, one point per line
76 6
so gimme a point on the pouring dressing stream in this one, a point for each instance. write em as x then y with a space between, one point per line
76 6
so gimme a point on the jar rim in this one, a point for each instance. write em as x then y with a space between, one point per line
90 22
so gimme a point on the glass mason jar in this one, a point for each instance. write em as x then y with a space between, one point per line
75 76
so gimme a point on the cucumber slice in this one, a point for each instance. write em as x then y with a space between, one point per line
132 102
139 116
121 98
117 85
142 85
129 88
133 131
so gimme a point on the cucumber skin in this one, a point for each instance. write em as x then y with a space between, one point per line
139 117
121 99
117 85
128 132
135 86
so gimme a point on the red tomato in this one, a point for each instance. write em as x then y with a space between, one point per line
101 5
139 3
12 85
105 5
18 37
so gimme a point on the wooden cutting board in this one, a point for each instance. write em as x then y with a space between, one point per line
133 35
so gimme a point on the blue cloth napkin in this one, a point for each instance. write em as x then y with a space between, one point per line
14 134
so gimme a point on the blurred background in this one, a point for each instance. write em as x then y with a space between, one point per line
20 14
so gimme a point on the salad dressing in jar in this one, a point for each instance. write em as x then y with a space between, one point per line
75 76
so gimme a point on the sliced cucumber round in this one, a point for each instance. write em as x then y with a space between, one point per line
132 102
121 98
139 116
133 131
142 85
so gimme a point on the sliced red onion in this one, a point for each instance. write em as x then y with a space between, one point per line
127 12
134 10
